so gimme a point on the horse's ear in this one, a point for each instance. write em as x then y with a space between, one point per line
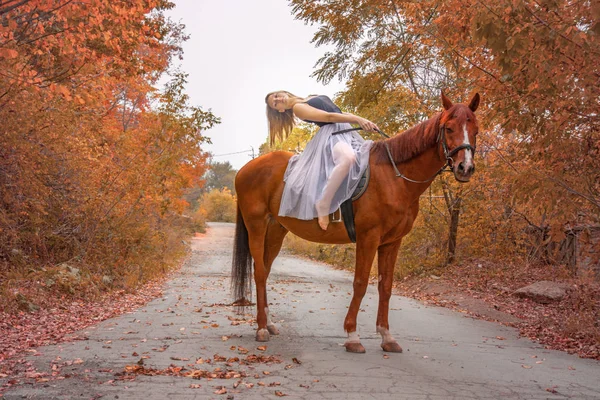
446 101
474 102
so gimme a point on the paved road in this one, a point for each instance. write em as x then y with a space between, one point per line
446 355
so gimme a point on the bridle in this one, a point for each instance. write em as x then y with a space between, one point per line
448 155
448 166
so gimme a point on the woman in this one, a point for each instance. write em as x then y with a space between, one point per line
328 170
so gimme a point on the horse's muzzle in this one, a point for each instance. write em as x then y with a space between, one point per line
463 171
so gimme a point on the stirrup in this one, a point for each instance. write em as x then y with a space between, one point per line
336 216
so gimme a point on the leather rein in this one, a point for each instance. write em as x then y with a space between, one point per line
448 166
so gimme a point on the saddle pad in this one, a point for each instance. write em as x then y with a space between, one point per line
346 208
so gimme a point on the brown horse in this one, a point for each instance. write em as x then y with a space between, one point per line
384 214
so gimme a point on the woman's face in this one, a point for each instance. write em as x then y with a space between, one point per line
278 101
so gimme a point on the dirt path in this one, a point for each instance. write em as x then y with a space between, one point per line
156 351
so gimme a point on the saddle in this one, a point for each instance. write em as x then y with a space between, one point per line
346 211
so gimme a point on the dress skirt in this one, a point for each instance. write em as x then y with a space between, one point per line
307 173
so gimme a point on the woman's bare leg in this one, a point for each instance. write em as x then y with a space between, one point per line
343 158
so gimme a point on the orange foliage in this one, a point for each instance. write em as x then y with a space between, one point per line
536 63
94 160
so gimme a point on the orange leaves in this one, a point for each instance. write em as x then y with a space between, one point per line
8 53
92 171
537 67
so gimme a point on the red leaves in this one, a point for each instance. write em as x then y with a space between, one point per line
56 320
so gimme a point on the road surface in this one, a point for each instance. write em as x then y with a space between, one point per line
447 355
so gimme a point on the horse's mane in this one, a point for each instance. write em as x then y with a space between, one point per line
409 143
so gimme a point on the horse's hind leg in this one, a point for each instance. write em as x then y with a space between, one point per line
257 230
386 262
365 252
273 241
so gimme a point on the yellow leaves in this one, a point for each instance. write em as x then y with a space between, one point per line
219 205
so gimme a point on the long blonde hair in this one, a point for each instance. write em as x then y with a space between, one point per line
280 123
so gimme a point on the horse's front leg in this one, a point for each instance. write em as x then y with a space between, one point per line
365 253
386 261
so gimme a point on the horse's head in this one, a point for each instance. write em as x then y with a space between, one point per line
458 134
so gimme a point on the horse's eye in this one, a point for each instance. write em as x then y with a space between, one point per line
449 130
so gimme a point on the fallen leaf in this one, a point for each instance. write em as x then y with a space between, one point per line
220 390
280 394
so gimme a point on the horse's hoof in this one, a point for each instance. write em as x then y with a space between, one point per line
262 335
391 347
354 347
273 329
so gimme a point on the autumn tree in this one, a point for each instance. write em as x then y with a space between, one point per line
93 158
295 142
536 64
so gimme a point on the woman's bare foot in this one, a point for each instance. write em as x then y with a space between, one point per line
324 222
322 209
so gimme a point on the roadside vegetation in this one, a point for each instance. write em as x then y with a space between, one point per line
94 160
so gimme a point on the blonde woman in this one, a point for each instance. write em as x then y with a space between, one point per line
328 170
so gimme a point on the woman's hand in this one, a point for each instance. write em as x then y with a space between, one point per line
367 125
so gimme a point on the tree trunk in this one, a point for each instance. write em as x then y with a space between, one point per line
454 216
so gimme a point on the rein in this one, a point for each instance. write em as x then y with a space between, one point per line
448 166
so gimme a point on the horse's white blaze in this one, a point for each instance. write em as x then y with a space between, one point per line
468 155
386 336
353 337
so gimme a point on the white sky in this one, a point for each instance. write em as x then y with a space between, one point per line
239 51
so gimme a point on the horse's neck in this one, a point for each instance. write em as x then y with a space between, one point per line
423 140
422 167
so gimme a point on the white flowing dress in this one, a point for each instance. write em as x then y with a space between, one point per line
307 173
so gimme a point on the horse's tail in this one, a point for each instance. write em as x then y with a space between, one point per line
241 267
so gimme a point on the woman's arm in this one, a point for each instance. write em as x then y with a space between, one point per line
307 112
